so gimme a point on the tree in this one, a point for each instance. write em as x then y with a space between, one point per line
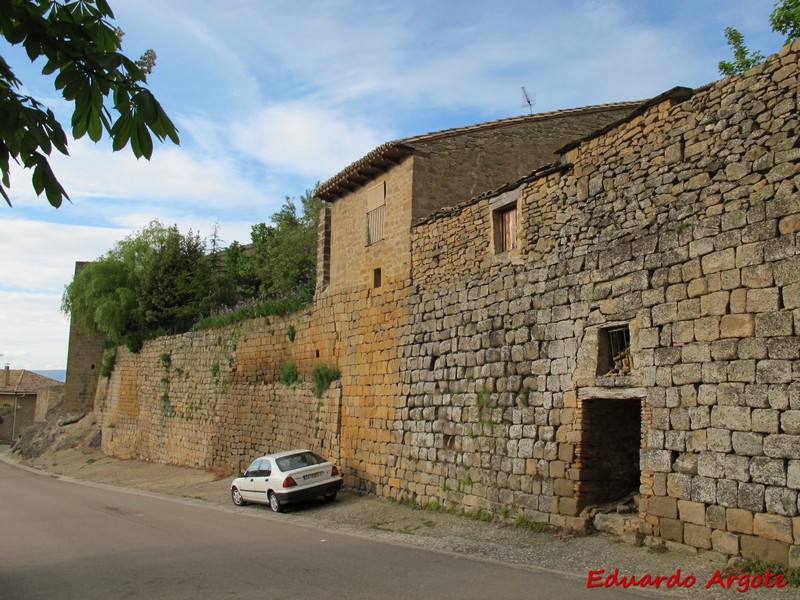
785 19
285 253
106 89
149 283
174 285
743 58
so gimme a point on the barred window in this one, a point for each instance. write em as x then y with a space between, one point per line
376 205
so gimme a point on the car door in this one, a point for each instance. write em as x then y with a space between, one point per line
261 481
248 481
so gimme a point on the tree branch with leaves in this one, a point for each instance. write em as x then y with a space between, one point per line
785 19
107 90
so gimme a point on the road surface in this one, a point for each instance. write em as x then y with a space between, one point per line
67 540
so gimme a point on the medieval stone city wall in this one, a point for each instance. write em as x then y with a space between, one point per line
214 399
679 226
482 381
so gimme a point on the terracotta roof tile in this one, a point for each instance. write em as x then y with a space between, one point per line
24 381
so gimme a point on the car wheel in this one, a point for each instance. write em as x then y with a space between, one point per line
236 496
330 497
274 503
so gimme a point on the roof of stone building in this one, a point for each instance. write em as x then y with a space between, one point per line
22 381
387 155
676 94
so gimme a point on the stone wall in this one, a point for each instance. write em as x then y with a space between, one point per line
213 399
455 165
680 226
485 381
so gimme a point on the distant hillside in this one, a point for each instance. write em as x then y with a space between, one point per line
59 374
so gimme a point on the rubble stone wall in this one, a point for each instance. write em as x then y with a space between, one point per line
680 225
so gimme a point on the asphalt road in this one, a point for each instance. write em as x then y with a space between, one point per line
65 540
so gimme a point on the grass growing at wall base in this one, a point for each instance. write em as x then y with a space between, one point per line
759 567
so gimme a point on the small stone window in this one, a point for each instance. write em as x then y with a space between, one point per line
505 229
377 278
504 221
614 351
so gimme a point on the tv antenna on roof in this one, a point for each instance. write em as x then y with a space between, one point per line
528 102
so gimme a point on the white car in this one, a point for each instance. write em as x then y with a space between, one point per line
286 477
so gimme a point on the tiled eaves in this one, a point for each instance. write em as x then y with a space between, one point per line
384 157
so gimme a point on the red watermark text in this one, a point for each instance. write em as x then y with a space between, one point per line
600 578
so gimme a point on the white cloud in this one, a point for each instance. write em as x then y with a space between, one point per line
40 256
34 331
305 139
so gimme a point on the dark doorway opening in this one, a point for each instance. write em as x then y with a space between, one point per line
608 454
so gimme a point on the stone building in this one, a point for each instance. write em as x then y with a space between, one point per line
615 321
374 201
25 397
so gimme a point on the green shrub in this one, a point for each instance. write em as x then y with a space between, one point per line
109 358
287 374
291 333
322 376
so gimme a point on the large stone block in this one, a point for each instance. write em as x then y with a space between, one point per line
782 446
697 536
733 326
671 529
751 497
766 550
662 507
768 471
781 501
773 527
739 520
725 542
692 512
734 418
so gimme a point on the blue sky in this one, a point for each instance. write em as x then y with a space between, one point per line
273 96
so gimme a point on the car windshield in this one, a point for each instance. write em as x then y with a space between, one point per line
298 461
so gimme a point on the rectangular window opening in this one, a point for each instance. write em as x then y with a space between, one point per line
505 229
376 206
376 278
614 351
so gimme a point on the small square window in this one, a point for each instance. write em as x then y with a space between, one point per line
614 351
